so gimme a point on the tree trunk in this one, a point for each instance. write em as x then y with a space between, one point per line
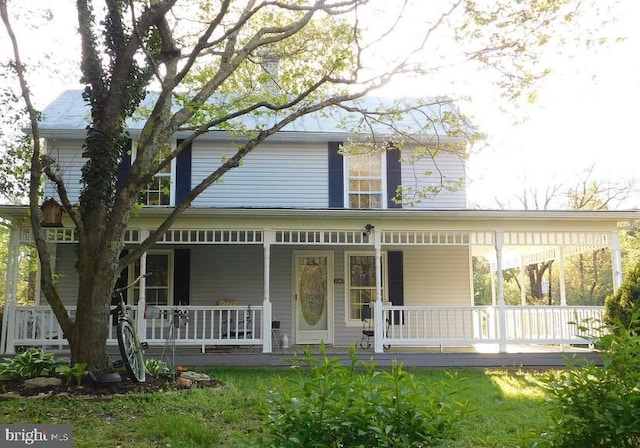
535 273
98 272
581 271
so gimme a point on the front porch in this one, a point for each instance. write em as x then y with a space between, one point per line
216 254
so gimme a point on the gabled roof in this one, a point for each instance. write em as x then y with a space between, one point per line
68 116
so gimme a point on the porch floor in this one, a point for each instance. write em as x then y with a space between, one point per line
518 356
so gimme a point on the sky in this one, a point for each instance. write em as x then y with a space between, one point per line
584 115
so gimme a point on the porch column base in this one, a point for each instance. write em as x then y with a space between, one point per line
266 327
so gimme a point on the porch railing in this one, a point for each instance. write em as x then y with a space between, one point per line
460 325
420 325
553 324
242 325
205 325
191 325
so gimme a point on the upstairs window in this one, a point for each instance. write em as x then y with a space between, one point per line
365 180
160 191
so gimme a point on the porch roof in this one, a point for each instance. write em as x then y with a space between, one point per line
529 236
17 212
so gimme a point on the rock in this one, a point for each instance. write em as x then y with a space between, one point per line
195 376
63 395
9 396
183 382
42 381
40 395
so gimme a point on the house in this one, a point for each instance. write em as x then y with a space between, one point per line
302 238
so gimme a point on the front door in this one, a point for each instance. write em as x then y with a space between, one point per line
313 297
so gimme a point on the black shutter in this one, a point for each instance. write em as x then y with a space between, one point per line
183 173
396 281
394 177
181 273
336 176
125 163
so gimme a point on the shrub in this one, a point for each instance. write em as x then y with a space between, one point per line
77 372
156 367
31 363
600 406
619 307
333 405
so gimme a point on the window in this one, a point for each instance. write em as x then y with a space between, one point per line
160 191
361 288
159 287
365 180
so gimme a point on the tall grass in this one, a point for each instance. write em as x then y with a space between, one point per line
509 411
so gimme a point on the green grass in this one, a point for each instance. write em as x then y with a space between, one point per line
509 411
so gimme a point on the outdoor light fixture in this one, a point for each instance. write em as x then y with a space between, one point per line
367 229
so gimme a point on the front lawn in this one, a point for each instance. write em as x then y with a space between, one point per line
508 411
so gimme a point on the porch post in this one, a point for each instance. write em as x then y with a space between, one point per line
267 313
142 299
378 317
10 292
616 261
502 318
563 288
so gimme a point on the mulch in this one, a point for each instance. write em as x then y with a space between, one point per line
92 390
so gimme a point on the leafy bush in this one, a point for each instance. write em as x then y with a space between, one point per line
77 372
31 363
156 367
619 307
333 405
596 406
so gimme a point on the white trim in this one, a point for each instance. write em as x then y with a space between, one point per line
330 293
170 275
347 282
172 174
383 186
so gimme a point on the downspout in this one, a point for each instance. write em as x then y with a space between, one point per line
502 318
267 312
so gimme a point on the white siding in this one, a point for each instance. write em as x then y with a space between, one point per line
432 276
281 289
273 175
424 172
67 153
437 275
67 275
233 272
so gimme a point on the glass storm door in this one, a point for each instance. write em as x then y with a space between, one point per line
313 298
